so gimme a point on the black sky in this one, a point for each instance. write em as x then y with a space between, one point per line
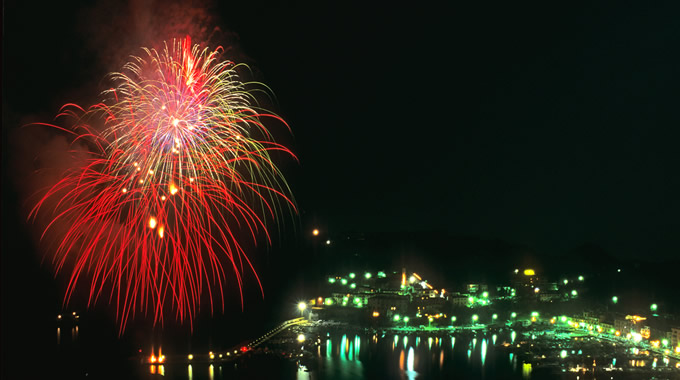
542 124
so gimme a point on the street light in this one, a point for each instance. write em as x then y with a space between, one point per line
302 306
475 317
315 232
653 307
615 299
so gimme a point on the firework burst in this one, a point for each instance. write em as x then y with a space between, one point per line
182 164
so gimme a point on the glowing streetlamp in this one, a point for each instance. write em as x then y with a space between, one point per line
315 232
653 307
475 317
615 299
302 306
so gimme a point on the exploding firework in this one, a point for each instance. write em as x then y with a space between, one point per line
180 162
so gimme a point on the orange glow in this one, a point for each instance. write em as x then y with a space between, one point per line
161 232
152 359
617 333
161 359
173 189
376 314
152 222
315 232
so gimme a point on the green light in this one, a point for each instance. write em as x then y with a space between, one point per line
475 317
580 278
430 319
367 275
352 275
471 299
665 342
381 274
653 307
513 315
453 319
565 281
615 299
406 319
353 285
397 318
534 314
328 301
612 331
485 294
357 300
343 281
574 293
331 280
563 354
563 318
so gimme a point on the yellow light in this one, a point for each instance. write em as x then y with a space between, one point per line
175 122
173 189
677 349
191 357
150 171
152 359
302 306
74 313
161 232
135 164
301 338
124 190
212 356
376 314
529 272
315 232
161 358
163 197
152 222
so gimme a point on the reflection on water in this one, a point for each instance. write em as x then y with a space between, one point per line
58 335
190 372
477 355
526 370
211 372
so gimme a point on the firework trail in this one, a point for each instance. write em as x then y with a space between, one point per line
182 164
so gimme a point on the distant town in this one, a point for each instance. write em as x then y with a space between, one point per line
403 300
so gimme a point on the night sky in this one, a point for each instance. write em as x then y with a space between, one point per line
542 125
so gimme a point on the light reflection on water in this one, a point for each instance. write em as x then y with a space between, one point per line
342 357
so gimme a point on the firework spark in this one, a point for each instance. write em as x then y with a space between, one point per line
183 162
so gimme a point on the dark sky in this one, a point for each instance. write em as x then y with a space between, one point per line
541 124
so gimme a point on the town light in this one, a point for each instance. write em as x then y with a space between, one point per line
574 293
494 317
367 275
352 275
485 295
615 299
580 278
653 307
453 319
331 280
301 338
475 317
397 317
406 319
529 272
190 357
513 315
315 232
